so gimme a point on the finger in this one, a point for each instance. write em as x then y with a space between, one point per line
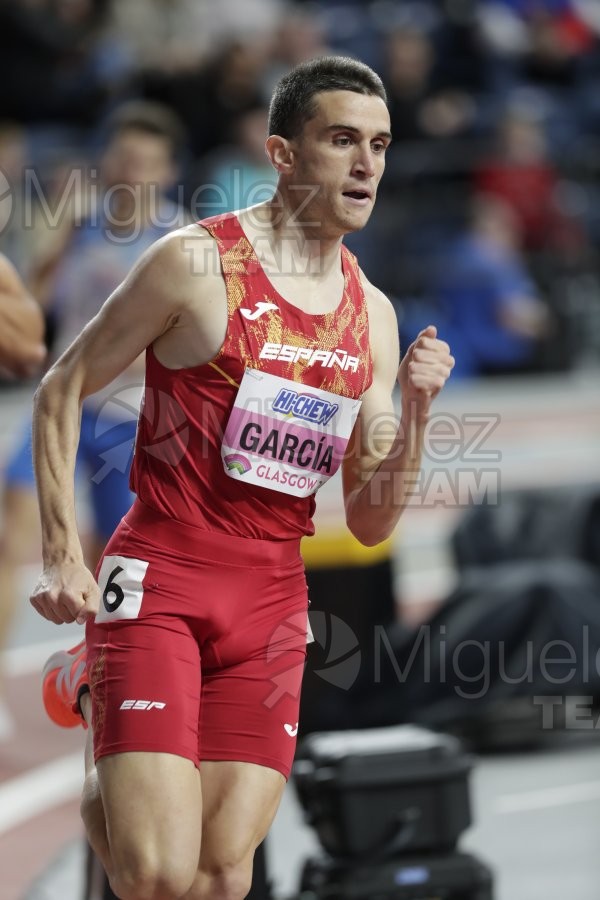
64 612
70 601
430 332
83 615
433 344
429 381
49 613
433 369
431 355
90 608
35 602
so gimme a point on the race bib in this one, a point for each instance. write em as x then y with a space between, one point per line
285 436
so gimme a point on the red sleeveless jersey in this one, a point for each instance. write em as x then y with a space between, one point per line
177 467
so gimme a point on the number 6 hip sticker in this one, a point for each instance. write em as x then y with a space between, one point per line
120 582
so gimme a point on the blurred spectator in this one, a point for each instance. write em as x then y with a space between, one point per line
485 302
543 40
52 66
89 260
299 37
14 238
424 104
162 35
207 99
238 174
520 172
22 348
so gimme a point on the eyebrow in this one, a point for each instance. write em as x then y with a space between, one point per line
341 127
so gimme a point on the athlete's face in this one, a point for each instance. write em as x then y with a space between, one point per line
340 158
136 158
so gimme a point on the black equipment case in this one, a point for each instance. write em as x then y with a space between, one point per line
457 876
383 791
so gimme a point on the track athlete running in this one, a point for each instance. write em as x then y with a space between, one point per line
271 361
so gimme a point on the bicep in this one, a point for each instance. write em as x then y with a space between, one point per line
136 313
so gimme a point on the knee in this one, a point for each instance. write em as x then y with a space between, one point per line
140 879
227 882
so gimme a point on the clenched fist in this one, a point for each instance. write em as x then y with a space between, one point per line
424 370
66 593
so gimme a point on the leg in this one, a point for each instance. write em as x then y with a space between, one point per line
239 803
153 811
19 539
20 529
143 818
141 802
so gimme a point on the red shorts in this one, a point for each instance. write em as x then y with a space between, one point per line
199 645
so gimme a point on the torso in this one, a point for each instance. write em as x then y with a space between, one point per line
198 334
240 327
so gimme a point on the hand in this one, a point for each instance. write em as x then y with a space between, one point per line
66 593
424 371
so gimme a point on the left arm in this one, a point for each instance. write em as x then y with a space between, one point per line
384 456
22 347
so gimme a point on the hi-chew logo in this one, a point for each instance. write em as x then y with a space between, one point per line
305 406
237 462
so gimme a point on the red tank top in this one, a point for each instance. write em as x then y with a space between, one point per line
177 466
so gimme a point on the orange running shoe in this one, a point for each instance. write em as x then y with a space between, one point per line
64 681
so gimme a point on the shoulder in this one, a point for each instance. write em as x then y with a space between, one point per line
179 248
380 309
383 332
181 260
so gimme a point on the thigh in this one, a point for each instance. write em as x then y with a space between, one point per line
153 808
250 701
143 659
239 802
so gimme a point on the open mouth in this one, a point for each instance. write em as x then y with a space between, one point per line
362 196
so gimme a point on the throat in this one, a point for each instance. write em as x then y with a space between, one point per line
313 295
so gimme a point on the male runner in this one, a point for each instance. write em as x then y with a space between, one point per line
263 337
22 348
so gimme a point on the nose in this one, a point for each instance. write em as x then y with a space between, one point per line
364 163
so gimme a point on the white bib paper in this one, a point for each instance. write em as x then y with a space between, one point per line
286 436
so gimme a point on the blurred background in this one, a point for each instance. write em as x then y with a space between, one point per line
122 120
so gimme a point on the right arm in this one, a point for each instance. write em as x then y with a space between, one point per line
22 347
155 298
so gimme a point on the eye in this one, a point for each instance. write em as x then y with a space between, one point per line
378 147
343 141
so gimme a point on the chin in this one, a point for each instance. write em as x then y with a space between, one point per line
355 222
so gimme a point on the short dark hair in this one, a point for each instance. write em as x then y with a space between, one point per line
149 118
293 101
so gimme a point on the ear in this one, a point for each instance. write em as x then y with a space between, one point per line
281 154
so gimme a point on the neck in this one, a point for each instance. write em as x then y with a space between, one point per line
293 240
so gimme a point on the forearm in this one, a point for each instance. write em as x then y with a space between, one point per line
374 507
56 420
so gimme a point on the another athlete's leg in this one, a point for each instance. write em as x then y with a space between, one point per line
18 543
239 803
